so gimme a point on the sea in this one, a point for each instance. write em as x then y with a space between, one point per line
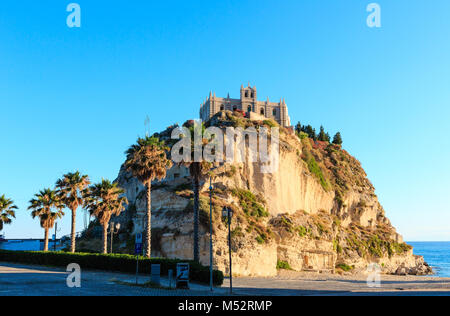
436 254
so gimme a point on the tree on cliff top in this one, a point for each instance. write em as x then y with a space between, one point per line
147 160
70 191
337 139
324 137
298 128
310 131
7 211
41 206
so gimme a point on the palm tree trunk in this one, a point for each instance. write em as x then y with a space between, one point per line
148 232
196 217
72 236
46 240
105 238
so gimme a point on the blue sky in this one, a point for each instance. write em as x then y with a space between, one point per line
77 98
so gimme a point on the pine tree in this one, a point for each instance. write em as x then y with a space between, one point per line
314 135
322 136
337 139
310 131
298 128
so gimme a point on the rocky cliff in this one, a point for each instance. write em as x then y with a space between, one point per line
317 212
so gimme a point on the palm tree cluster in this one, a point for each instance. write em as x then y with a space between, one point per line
73 191
147 160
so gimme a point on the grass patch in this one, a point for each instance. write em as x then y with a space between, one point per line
344 267
336 246
230 173
261 239
148 285
250 204
315 170
270 123
283 265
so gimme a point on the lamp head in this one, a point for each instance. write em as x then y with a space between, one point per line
224 212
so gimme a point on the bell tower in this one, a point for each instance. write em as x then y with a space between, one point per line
248 94
248 98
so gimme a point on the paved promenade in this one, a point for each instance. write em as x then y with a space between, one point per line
23 280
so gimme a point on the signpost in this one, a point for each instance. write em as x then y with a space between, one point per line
228 214
54 236
182 280
138 252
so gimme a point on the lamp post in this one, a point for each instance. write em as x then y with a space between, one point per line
228 213
113 230
54 236
210 232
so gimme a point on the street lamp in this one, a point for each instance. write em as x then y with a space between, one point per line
210 231
113 230
54 236
227 212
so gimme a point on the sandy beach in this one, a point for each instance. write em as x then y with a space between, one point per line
304 283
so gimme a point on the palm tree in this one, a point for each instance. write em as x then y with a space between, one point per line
70 189
147 160
42 206
102 201
197 170
7 212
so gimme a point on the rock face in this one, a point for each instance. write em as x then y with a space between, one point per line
318 212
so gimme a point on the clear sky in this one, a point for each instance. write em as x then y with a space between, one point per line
75 99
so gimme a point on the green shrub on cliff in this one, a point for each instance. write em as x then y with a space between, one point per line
344 267
315 170
283 265
250 204
270 123
262 238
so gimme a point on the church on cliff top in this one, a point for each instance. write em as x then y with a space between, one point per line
247 103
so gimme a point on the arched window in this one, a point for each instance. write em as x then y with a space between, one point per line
249 109
253 94
234 108
222 107
246 94
262 111
274 112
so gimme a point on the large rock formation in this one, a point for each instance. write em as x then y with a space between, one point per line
318 212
